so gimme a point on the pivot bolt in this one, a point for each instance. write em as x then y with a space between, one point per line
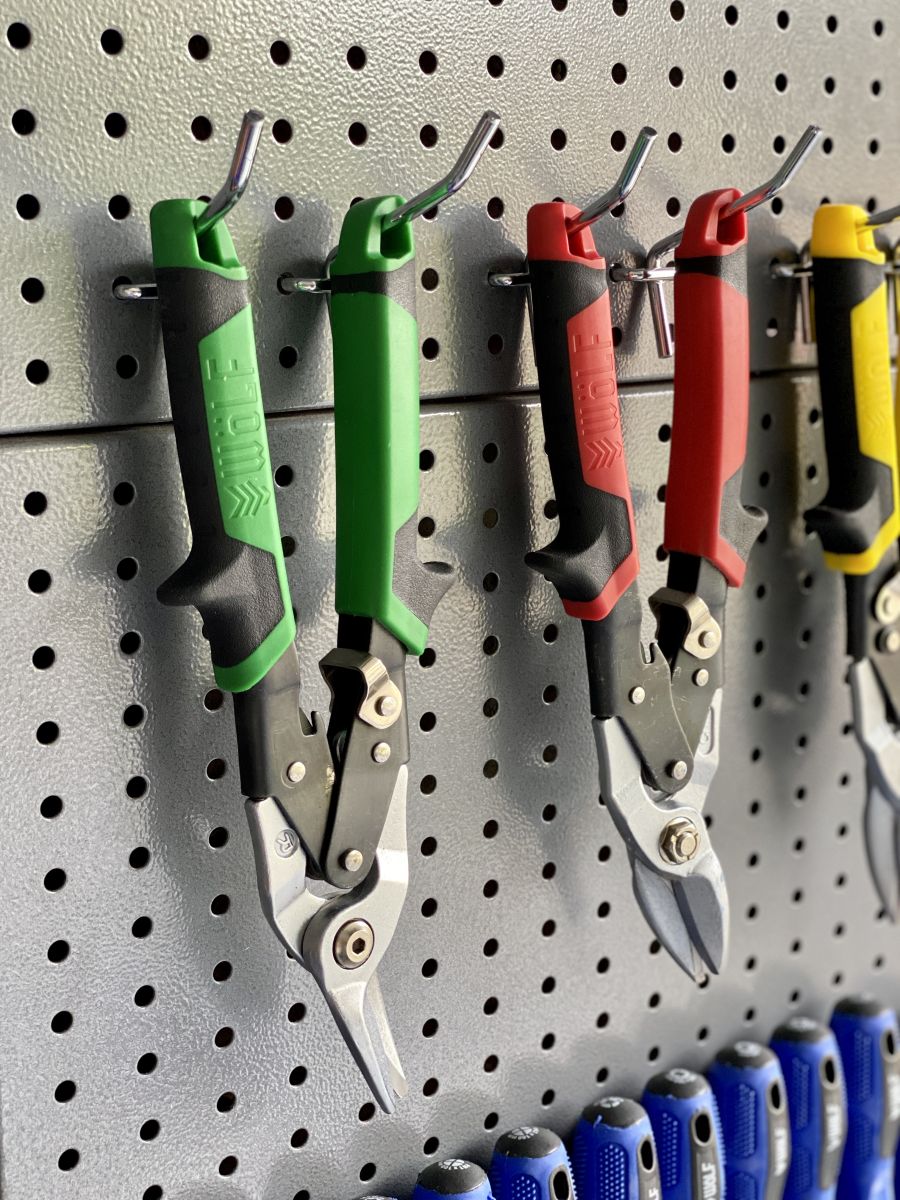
637 695
386 706
677 769
708 639
679 841
381 752
352 860
889 641
296 772
353 944
701 677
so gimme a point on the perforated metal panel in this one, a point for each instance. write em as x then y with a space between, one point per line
155 1041
728 87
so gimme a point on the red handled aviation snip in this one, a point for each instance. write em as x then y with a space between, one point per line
655 709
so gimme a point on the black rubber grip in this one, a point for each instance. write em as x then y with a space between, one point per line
582 429
233 584
860 489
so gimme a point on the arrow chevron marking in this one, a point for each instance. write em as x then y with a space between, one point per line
604 453
249 497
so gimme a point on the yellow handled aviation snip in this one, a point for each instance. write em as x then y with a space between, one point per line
858 521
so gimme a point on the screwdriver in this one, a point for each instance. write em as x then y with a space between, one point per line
867 1037
817 1106
756 1136
530 1163
613 1152
450 1178
685 1120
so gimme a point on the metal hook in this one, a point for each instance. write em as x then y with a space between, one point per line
884 217
221 204
750 200
238 175
453 180
623 186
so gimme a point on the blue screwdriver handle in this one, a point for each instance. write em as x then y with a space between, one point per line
750 1092
685 1120
817 1107
614 1154
530 1163
452 1178
867 1038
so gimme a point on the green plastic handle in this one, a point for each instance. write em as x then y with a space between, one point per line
376 420
234 574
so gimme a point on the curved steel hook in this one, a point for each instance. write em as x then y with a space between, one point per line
453 180
238 175
623 186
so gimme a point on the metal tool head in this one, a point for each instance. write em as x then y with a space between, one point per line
682 895
238 174
623 186
340 937
455 177
880 743
658 253
343 945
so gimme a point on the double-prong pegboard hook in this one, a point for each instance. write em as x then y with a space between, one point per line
654 273
427 199
801 271
222 202
604 203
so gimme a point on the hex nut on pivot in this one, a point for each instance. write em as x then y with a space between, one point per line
679 841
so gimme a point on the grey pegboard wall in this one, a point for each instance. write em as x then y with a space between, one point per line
118 106
156 1043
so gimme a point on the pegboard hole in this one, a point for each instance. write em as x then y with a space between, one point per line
673 206
112 42
142 927
39 581
127 568
428 785
559 69
491 707
216 768
134 715
223 1037
35 503
491 1063
495 66
282 131
430 1028
731 14
428 136
430 348
201 129
32 290
28 206
356 58
558 139
429 968
428 62
490 1006
144 996
47 733
198 47
676 76
676 10
299 1138
68 1160
284 208
139 858
280 53
490 889
430 279
23 122
431 1146
119 208
147 1064
51 807
218 837
367 1172
728 143
228 1165
427 658
136 787
619 72
149 1131
115 124
37 371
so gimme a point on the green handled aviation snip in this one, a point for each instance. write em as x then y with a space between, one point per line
327 809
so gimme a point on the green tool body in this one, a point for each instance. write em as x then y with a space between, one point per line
235 573
376 419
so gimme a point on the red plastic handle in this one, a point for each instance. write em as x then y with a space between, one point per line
704 514
594 558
